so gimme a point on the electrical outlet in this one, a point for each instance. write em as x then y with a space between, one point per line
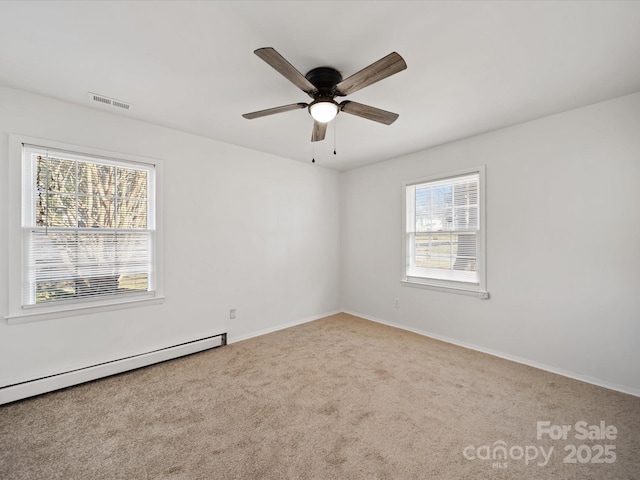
232 313
396 302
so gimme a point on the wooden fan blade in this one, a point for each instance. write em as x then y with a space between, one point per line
319 131
287 70
370 113
271 111
383 68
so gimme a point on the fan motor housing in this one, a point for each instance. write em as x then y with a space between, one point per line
324 79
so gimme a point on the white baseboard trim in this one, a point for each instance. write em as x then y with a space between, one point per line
30 388
247 336
540 366
38 386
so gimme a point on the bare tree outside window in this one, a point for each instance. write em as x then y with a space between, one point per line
91 236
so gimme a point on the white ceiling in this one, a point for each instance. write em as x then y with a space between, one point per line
472 66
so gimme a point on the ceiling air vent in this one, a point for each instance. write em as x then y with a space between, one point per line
109 101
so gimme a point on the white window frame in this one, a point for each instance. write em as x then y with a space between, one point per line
413 279
19 313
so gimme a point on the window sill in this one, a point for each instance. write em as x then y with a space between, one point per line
462 289
52 312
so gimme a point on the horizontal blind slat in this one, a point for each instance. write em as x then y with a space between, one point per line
87 228
442 228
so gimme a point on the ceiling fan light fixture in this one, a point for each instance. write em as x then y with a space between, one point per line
323 84
323 110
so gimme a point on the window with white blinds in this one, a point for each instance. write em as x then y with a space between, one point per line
444 227
88 227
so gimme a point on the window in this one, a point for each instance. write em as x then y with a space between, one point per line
444 231
88 230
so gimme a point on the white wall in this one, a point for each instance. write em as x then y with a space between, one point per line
243 230
563 239
266 236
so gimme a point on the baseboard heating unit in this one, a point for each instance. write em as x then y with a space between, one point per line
18 391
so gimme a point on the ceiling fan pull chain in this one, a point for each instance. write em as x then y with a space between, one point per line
313 153
335 127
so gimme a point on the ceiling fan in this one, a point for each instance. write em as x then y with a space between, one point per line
323 84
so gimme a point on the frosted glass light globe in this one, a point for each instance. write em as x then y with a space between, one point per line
323 111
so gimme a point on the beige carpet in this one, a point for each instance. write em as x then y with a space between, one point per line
338 398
